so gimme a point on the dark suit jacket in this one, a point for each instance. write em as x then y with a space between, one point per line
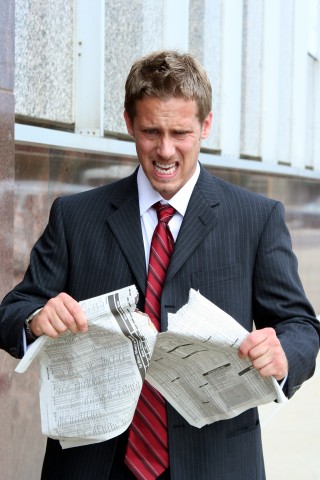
233 246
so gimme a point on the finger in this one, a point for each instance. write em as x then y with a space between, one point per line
269 358
266 370
45 323
66 313
276 369
59 314
262 361
253 339
261 350
75 318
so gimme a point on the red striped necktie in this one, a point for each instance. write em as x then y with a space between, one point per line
147 451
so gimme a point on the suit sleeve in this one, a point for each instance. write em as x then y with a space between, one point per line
279 300
45 278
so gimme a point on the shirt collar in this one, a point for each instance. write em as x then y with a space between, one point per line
148 196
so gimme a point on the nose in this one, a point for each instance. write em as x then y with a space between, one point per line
165 148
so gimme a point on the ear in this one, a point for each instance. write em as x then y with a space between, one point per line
206 127
128 123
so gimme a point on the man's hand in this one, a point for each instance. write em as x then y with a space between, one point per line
264 350
60 313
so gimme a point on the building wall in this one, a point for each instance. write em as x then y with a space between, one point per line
6 215
71 61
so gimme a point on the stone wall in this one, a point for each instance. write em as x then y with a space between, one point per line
6 215
21 444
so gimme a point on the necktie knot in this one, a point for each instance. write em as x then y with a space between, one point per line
164 212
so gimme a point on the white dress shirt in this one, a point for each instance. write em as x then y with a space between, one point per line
148 215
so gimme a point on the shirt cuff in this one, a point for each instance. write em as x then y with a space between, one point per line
282 384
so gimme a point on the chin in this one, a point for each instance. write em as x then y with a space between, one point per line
167 193
166 188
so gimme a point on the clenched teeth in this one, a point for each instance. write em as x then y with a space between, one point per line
164 168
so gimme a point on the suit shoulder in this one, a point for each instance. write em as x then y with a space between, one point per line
237 201
101 195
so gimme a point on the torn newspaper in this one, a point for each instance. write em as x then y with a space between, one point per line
195 366
90 382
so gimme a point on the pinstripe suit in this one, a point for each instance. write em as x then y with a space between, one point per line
233 246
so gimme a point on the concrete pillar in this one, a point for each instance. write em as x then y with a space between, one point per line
6 217
21 442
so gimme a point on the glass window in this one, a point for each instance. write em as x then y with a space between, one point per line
42 174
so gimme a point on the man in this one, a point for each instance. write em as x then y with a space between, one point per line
230 244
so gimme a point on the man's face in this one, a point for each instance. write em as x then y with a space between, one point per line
168 135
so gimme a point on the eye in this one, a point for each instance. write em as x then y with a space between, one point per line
150 131
180 133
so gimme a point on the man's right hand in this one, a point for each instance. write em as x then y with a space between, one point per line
60 313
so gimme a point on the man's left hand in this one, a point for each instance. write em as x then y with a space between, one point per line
264 350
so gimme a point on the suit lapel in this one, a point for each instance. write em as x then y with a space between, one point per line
126 226
199 220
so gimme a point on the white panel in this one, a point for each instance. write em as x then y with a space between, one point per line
89 67
314 50
313 27
231 74
285 48
205 42
176 24
310 111
73 141
212 54
251 81
299 97
224 162
316 164
270 81
43 136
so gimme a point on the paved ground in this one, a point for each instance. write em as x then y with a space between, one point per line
291 434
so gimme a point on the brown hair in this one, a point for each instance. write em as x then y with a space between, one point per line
168 73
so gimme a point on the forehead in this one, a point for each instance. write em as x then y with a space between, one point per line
166 108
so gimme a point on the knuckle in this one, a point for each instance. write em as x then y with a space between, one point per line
74 309
63 296
68 320
61 328
50 303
